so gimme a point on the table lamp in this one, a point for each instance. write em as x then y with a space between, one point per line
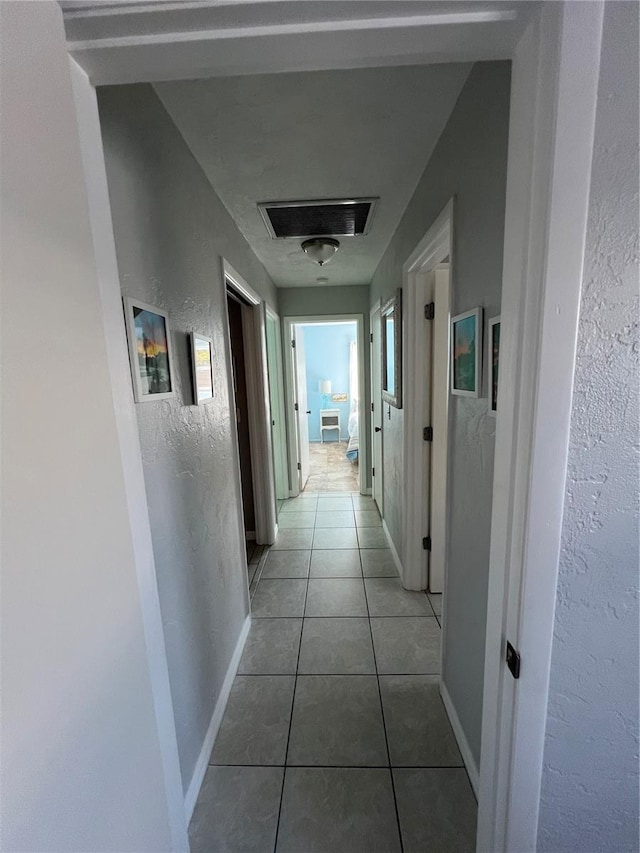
325 390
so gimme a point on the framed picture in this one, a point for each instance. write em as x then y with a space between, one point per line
466 353
391 320
202 368
149 351
339 398
493 361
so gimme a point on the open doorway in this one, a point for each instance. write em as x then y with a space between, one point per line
326 402
241 402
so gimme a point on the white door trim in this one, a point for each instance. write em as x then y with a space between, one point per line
553 105
377 482
554 93
99 212
195 40
440 294
293 454
255 353
433 249
278 382
288 323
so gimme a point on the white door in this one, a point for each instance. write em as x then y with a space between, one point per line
274 366
376 409
437 340
302 412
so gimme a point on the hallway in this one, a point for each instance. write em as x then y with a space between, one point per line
335 737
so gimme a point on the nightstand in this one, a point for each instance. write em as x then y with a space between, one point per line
329 419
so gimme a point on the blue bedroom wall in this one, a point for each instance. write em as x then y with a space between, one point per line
327 357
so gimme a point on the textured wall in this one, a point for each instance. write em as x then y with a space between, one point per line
470 163
171 230
590 783
318 301
81 762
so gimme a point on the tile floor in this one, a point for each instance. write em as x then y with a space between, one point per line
329 468
335 737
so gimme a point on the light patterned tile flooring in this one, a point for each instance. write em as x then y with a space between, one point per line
335 737
329 469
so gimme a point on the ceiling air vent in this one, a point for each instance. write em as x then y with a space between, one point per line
334 218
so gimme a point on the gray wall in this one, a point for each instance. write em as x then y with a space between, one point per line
82 767
171 230
590 783
310 301
469 162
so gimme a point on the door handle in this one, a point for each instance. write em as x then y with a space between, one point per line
308 411
377 429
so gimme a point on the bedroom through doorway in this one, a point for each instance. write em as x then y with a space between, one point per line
326 384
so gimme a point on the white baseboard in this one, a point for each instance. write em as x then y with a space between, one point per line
463 744
394 553
202 763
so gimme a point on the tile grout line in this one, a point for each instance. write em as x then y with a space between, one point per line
354 766
329 616
257 575
335 674
384 724
429 600
307 580
293 699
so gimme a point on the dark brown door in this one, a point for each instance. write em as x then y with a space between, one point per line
242 410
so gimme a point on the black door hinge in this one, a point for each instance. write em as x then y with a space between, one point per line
513 661
299 467
373 472
427 433
293 344
372 407
371 337
430 311
426 543
295 407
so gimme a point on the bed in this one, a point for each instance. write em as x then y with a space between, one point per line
354 442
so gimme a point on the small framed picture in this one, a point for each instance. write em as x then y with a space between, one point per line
391 318
149 351
202 367
466 353
493 361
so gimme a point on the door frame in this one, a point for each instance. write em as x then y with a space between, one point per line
288 323
435 247
277 381
300 409
257 379
551 130
555 69
439 285
377 481
551 133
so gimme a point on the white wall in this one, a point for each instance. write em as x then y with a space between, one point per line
82 767
590 780
171 231
469 162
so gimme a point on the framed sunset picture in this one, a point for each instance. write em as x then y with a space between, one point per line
466 353
493 362
149 351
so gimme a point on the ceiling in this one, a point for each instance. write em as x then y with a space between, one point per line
316 135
